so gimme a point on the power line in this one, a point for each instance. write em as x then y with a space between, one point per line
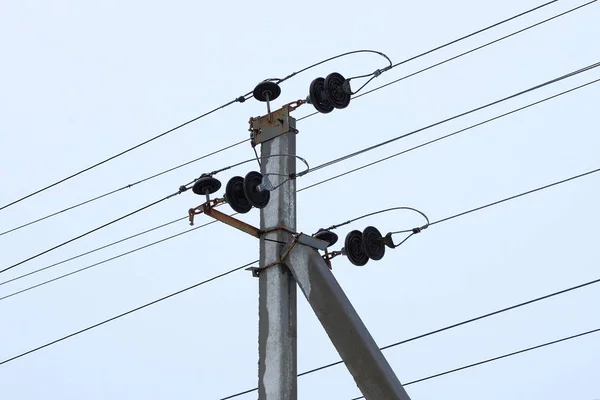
93 250
97 263
129 186
487 315
335 161
121 153
474 33
507 355
448 135
125 313
512 96
464 53
469 321
240 99
334 177
517 196
93 230
436 222
295 73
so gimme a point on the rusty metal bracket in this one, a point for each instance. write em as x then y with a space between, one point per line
276 123
192 212
330 256
256 270
278 228
229 220
297 238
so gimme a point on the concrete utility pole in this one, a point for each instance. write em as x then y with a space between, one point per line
287 258
277 333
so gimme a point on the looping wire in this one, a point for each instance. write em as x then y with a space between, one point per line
413 230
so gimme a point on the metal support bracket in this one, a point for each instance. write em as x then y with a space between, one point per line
229 220
301 238
277 123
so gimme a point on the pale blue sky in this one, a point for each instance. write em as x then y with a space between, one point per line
81 81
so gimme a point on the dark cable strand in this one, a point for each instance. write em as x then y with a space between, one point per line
449 135
105 260
331 59
118 154
102 262
125 313
463 54
90 231
375 162
335 226
474 33
93 250
446 328
500 201
489 360
389 141
248 95
240 99
389 346
123 188
517 196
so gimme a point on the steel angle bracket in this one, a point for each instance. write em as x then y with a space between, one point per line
274 124
229 220
298 238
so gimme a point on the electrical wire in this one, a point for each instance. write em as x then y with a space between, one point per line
126 313
335 226
385 347
93 250
184 217
181 190
247 96
344 173
449 135
98 263
512 96
108 259
474 33
129 186
466 52
507 355
517 196
444 329
120 154
340 175
96 229
330 179
240 99
480 317
304 69
278 81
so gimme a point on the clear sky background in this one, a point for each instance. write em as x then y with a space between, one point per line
81 81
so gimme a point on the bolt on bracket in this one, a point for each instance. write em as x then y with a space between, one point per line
276 123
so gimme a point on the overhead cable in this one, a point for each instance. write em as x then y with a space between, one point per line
125 313
501 100
328 179
433 223
295 73
464 53
240 99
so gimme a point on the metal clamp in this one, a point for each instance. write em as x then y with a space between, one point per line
300 238
200 209
276 123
